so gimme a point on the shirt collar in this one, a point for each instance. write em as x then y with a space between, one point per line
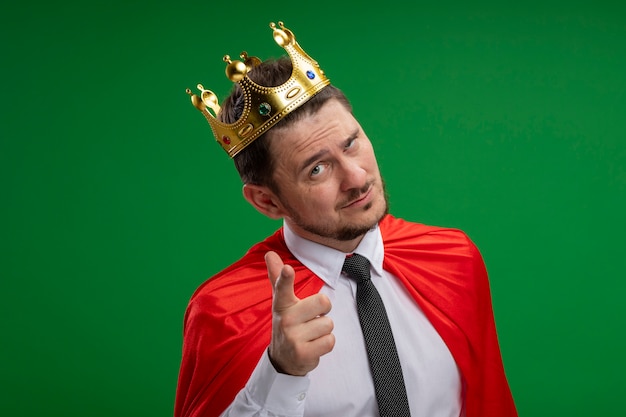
326 262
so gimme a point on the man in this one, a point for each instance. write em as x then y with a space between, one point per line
293 345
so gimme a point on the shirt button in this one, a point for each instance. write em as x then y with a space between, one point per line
302 396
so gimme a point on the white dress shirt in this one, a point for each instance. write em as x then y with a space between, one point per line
342 385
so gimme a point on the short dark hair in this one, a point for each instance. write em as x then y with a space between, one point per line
255 163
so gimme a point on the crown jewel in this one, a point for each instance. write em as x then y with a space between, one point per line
263 106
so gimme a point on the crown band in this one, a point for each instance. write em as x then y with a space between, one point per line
263 106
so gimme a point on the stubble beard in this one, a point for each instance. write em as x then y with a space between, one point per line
346 231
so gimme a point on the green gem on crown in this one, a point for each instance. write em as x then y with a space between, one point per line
264 109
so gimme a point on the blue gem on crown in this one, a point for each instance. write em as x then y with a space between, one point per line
310 74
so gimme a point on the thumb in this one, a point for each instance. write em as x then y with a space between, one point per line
282 278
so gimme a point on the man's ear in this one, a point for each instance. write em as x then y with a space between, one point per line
264 200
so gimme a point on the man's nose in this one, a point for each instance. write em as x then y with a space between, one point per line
354 176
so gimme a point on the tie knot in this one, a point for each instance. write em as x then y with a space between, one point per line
357 267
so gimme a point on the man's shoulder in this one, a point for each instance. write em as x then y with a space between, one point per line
395 229
247 273
432 251
245 285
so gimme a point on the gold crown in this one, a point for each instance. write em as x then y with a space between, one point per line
263 106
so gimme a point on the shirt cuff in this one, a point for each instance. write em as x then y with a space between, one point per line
275 392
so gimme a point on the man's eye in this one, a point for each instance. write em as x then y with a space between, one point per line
350 144
317 170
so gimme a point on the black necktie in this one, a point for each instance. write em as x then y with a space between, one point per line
379 343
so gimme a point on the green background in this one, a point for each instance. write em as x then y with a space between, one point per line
505 120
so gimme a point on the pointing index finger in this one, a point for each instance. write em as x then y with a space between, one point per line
282 278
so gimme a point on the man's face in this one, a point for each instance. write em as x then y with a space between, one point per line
329 184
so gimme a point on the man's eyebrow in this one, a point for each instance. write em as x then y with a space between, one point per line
318 155
312 159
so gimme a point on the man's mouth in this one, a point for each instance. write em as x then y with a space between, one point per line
363 198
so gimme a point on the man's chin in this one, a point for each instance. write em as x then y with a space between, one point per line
351 232
347 234
346 230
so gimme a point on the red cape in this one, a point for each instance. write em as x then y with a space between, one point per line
228 322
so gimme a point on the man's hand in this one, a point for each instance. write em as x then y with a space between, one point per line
301 331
